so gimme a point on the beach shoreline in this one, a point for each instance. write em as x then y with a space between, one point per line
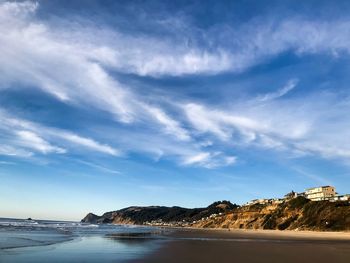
308 234
218 245
278 233
122 243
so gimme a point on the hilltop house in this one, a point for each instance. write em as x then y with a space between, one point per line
320 193
314 194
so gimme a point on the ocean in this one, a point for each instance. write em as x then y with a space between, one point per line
60 241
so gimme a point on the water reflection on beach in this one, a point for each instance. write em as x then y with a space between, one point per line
73 242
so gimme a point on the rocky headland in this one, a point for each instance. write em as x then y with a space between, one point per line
295 214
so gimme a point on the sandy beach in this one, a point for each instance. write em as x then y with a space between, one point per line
198 245
55 241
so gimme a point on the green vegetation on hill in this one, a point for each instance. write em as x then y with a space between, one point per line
140 215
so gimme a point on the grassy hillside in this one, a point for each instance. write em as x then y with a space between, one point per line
140 215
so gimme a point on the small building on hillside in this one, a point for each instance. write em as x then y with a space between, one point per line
262 201
290 195
341 198
320 193
277 201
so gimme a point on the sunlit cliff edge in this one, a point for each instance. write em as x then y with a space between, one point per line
294 214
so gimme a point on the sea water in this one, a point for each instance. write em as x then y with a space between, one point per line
57 241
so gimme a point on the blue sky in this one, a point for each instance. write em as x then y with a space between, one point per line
107 104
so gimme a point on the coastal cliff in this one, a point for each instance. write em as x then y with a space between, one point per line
157 214
296 214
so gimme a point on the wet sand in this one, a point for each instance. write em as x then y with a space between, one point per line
196 245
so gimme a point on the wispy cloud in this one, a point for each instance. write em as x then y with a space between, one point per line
76 69
85 142
209 160
62 64
99 167
314 177
171 126
33 141
26 138
198 158
82 59
35 55
14 151
316 128
23 138
220 123
291 84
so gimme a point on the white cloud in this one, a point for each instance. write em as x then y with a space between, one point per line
14 151
25 135
72 68
80 57
180 62
237 48
86 142
272 143
22 135
291 84
198 158
31 140
99 167
204 121
326 149
261 39
230 160
220 123
33 54
72 64
319 127
13 9
209 160
171 126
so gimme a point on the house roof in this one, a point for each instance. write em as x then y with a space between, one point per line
325 186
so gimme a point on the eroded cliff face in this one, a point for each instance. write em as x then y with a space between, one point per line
296 214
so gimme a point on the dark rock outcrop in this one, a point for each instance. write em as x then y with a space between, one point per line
91 218
140 215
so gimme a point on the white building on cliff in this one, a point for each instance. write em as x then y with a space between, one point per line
320 193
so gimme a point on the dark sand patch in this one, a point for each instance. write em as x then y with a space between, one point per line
187 245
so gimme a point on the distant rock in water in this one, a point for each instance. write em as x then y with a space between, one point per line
29 219
140 215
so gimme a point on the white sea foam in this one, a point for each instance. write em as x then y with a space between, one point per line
27 233
43 224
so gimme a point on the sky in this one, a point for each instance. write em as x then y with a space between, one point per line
109 104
